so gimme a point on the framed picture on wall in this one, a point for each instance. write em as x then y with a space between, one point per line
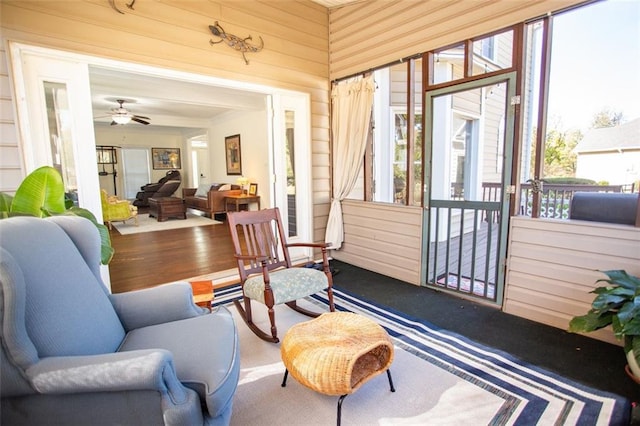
232 154
253 189
166 158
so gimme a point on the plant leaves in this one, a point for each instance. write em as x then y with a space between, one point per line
628 311
605 301
42 190
590 322
41 194
632 327
620 277
5 205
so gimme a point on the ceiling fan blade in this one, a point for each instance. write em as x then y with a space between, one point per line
113 123
141 117
138 120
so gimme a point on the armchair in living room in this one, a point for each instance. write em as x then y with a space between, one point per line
115 210
165 187
72 354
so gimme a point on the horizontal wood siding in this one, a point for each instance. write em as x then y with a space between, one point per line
174 34
369 34
11 167
383 238
553 265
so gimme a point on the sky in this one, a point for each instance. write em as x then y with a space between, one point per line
595 63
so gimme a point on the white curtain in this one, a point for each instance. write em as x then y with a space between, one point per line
351 113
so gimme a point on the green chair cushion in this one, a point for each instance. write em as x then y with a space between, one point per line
287 284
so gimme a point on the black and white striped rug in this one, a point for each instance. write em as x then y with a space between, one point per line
440 378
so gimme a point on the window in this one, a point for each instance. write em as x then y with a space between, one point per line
396 148
557 107
492 53
572 102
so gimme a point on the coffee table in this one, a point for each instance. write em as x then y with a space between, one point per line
163 208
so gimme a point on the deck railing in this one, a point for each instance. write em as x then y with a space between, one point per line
556 198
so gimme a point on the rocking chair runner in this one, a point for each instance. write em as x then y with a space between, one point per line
266 273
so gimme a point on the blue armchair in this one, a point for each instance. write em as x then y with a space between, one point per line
74 354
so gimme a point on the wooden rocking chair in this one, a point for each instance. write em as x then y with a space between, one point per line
266 273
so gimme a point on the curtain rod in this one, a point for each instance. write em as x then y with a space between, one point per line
390 64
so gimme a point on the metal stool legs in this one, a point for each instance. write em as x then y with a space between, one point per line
391 388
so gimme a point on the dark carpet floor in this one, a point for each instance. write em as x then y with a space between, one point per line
584 360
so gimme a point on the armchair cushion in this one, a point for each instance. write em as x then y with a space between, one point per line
155 305
202 190
86 323
184 339
287 284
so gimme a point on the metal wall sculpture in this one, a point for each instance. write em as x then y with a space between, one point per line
129 5
235 42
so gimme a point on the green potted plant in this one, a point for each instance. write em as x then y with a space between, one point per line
41 194
616 304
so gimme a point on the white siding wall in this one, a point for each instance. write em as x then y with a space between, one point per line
553 265
11 166
383 238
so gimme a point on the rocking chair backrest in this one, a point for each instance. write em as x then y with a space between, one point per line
258 233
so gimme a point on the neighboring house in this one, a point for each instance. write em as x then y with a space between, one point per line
610 154
306 48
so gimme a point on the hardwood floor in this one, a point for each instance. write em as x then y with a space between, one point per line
152 258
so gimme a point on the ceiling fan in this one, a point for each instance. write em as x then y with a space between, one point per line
121 115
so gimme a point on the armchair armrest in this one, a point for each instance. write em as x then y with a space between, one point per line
151 187
155 305
314 245
325 260
133 370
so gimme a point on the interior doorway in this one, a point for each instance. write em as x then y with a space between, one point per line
200 162
273 187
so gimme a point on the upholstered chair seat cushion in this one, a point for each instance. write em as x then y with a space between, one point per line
192 354
287 284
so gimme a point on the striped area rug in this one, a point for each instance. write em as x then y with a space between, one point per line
441 379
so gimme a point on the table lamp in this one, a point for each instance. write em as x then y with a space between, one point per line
243 181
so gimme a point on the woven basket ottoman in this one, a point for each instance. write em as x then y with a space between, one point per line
336 353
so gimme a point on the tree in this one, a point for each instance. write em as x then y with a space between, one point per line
559 158
606 118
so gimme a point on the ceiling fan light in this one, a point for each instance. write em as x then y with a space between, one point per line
121 118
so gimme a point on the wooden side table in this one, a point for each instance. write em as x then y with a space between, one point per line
202 293
163 208
240 200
